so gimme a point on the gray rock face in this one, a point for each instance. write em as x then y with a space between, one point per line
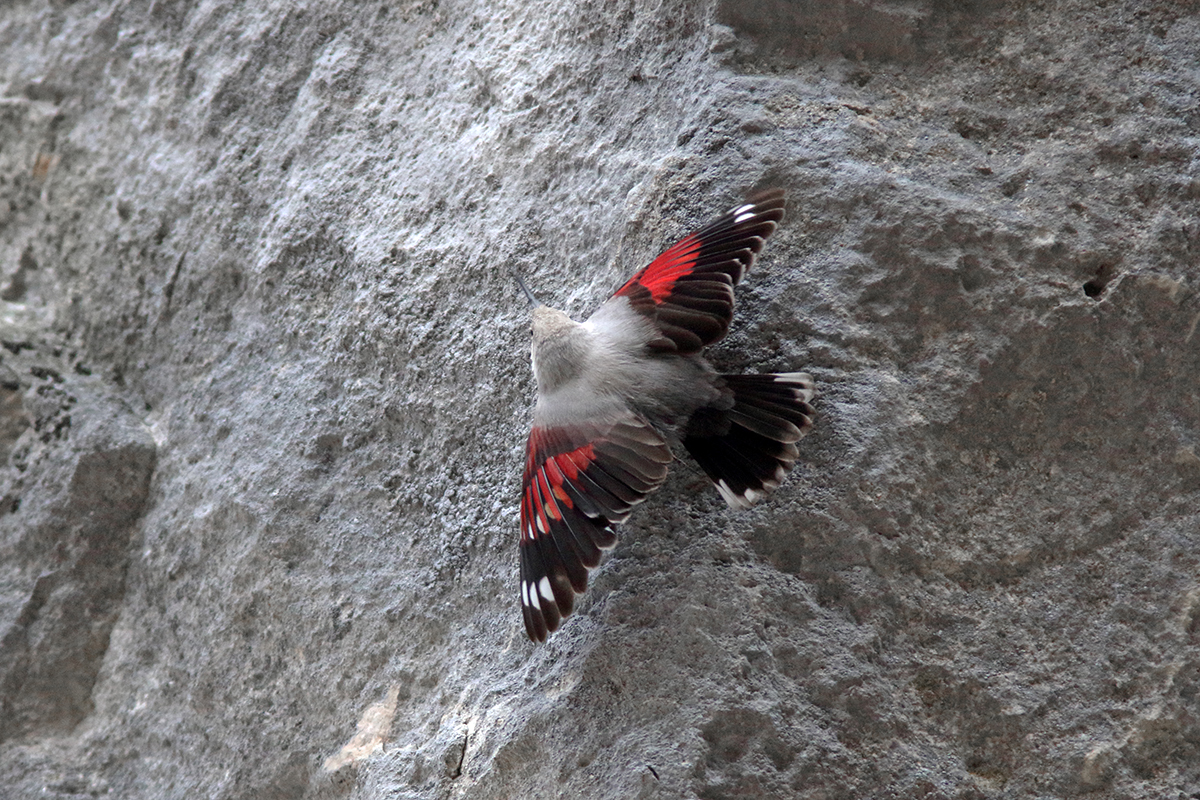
265 387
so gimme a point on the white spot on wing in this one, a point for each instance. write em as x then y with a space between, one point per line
607 546
533 598
742 214
734 500
544 589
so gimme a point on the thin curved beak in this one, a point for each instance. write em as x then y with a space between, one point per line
533 301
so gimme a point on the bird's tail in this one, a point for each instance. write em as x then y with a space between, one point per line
747 449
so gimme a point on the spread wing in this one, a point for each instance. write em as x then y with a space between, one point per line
688 289
579 480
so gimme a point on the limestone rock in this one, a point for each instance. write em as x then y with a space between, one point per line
264 388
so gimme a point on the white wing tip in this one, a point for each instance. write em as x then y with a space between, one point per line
734 500
800 382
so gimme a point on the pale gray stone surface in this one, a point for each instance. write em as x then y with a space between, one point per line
265 387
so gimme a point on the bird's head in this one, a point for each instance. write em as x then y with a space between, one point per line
556 351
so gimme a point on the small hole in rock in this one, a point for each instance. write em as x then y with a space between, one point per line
1104 275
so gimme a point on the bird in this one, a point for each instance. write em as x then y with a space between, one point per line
615 391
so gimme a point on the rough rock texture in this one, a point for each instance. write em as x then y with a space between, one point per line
265 386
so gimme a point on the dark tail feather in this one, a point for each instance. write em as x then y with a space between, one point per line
748 449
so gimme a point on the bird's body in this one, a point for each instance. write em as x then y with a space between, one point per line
578 364
615 389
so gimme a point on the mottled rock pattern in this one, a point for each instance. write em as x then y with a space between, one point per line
265 384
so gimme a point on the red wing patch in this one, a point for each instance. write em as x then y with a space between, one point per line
578 482
660 275
689 287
